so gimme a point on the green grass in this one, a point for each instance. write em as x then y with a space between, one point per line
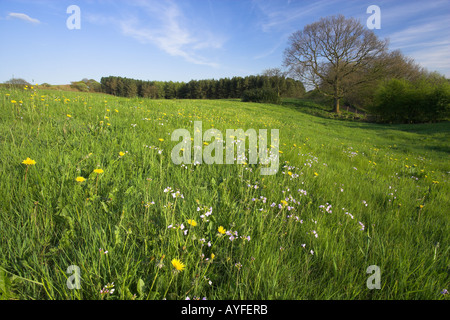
391 179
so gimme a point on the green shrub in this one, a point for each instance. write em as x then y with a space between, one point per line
403 101
262 95
80 86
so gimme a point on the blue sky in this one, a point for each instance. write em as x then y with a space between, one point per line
180 40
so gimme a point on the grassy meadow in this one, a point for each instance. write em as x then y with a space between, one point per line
347 195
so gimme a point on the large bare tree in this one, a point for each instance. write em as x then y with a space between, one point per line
327 53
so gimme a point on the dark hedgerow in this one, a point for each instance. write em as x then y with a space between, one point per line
262 95
403 101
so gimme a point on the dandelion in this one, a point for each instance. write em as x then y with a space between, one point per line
161 139
29 162
97 171
178 265
316 174
80 179
222 230
121 154
192 222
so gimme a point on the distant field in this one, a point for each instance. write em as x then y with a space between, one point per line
348 195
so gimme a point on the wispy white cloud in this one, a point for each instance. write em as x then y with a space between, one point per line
417 34
170 31
22 16
277 16
272 50
426 39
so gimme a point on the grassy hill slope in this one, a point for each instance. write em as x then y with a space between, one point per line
348 195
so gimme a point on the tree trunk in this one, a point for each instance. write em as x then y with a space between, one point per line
336 105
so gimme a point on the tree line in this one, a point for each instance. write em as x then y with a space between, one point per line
224 88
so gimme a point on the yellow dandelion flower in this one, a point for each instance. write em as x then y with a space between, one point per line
192 222
28 161
289 173
178 265
222 230
121 153
98 171
316 174
212 256
80 179
161 139
69 116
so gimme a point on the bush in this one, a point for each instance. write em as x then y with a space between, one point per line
80 86
403 101
263 95
17 83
